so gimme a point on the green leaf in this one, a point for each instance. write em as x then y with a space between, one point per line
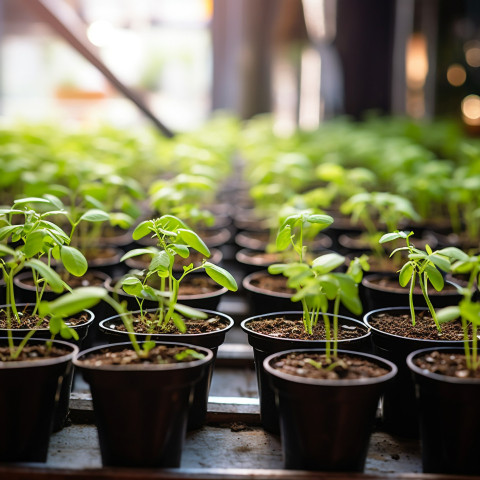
448 314
470 311
51 277
73 302
221 276
328 262
283 238
277 268
181 250
190 312
95 215
73 260
405 274
160 263
441 262
55 325
22 201
4 250
179 323
454 253
132 286
435 277
353 304
189 355
34 243
389 237
142 229
194 241
137 252
318 219
8 230
55 201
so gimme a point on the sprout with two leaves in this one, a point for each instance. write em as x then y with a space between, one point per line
317 283
424 266
173 238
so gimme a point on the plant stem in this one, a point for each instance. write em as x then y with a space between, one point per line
410 296
423 286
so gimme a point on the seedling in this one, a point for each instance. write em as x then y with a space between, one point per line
317 283
39 241
173 238
426 266
467 310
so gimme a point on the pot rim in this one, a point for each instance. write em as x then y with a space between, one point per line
88 322
367 282
391 335
43 362
299 313
246 283
143 366
332 383
18 279
437 376
168 335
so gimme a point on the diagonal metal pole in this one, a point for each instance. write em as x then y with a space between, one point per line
64 20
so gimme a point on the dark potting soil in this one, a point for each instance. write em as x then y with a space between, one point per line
425 328
94 253
193 326
450 364
35 322
273 283
32 352
317 366
160 354
392 284
285 328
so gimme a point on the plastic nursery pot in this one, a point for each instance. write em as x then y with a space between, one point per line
264 345
260 299
210 340
380 296
449 421
25 293
28 402
62 408
399 412
326 424
106 259
141 410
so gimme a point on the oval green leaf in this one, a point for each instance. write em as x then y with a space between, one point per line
194 241
73 260
221 276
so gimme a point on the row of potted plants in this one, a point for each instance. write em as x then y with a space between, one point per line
315 281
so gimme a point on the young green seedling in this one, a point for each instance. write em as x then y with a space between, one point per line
426 266
317 283
173 238
467 310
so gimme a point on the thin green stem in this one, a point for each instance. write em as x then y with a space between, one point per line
423 286
410 296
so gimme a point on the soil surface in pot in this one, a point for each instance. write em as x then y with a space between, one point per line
449 364
212 324
105 253
392 284
345 367
285 328
28 321
160 354
32 352
273 283
425 328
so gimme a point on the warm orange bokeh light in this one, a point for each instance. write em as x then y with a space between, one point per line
471 110
456 75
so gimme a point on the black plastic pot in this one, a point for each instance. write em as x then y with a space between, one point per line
141 410
399 412
377 296
263 301
326 424
28 403
449 421
25 294
211 340
62 409
264 345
